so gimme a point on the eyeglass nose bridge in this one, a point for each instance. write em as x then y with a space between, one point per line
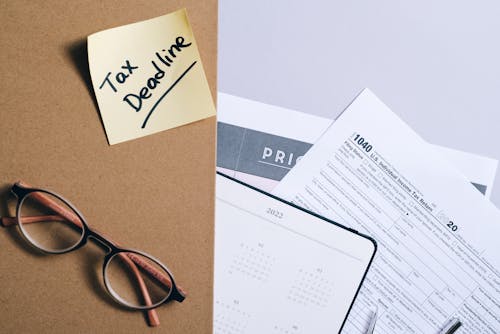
102 240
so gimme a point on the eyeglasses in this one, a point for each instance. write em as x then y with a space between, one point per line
53 225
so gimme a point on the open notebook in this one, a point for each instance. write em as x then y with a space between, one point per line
280 269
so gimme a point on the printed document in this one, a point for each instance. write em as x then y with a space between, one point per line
438 251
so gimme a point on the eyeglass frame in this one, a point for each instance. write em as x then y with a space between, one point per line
21 192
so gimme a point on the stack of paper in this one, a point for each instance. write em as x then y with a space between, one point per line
438 254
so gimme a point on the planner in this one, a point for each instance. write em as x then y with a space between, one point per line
279 268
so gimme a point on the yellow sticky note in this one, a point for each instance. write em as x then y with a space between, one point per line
148 77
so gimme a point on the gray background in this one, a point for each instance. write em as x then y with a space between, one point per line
435 63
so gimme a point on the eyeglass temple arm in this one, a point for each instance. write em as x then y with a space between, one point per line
11 221
153 318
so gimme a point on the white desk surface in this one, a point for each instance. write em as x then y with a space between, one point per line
435 63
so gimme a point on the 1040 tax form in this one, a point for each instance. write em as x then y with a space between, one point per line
439 254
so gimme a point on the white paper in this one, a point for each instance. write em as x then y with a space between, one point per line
279 269
479 170
271 119
438 255
302 130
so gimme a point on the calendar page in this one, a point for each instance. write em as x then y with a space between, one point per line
279 269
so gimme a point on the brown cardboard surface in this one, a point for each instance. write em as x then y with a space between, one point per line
155 194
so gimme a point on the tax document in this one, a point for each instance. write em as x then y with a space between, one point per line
438 238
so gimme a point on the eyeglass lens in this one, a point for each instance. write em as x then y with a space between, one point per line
49 223
127 273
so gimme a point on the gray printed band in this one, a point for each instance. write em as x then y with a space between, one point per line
257 153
